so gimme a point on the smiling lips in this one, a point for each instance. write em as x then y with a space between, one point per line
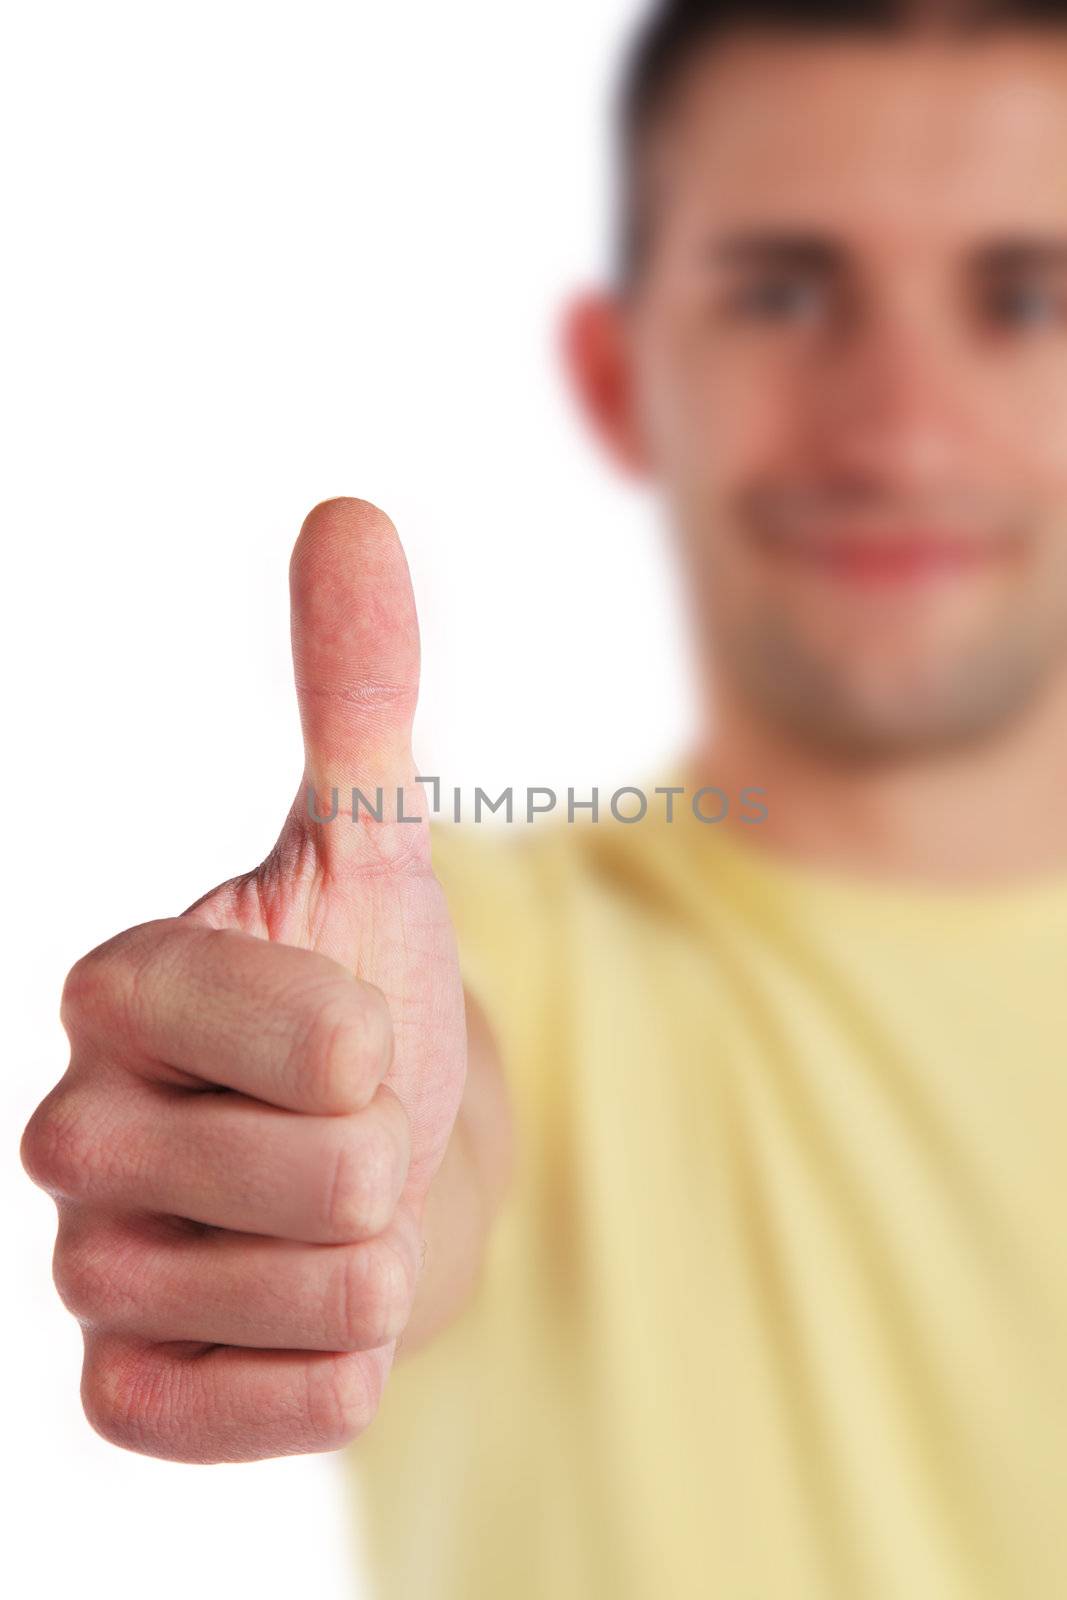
904 558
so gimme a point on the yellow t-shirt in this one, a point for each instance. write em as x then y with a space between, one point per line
777 1306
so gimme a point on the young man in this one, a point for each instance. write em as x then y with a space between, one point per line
721 1226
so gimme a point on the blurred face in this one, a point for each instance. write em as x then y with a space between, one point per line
847 356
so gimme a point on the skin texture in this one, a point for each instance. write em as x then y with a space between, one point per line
262 1091
278 1106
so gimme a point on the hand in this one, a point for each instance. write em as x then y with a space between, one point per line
261 1091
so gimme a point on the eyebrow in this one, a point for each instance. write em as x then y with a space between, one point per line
817 252
1038 254
772 247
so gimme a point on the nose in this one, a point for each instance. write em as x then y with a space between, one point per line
892 406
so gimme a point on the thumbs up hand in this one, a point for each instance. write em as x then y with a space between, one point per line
261 1091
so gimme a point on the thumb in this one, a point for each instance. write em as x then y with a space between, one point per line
355 659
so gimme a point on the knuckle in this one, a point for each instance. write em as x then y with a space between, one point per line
95 1274
128 1401
98 987
106 1414
103 991
81 990
81 1279
57 1151
342 1400
35 1150
72 998
374 1295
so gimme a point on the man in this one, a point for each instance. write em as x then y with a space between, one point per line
713 1243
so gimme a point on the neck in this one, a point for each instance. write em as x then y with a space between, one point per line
977 814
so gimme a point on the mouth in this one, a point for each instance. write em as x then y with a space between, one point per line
891 559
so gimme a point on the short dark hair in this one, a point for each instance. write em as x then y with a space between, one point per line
676 30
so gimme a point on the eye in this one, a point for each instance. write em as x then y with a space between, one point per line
779 297
1025 305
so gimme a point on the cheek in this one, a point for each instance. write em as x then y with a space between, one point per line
1040 452
1022 430
716 416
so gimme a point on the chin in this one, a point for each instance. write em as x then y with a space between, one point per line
863 736
879 704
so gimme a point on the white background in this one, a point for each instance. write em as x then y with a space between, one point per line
257 255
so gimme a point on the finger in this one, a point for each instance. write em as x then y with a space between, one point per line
355 652
230 1162
287 1026
188 1403
156 1280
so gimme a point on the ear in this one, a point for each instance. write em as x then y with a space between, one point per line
596 353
